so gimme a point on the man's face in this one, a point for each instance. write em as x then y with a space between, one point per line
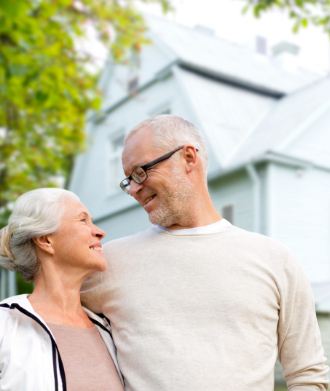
165 195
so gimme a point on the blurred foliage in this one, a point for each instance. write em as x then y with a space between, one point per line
23 286
302 12
46 88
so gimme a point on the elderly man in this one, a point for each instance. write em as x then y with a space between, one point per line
195 303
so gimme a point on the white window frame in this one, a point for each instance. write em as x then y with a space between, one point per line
112 157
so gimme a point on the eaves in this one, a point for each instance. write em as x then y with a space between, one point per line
205 72
160 75
268 157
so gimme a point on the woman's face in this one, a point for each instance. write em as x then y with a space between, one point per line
77 243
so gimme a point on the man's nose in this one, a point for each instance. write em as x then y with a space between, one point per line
134 188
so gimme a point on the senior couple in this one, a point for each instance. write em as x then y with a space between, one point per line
191 304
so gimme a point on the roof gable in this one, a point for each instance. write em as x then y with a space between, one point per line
291 118
152 60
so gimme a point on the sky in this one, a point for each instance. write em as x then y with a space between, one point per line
226 19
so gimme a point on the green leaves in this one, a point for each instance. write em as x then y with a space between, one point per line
14 8
45 88
302 12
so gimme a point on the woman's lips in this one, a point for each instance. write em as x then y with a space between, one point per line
97 247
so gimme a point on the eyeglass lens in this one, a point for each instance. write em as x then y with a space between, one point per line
138 176
125 185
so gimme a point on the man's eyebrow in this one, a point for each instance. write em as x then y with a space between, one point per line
134 167
139 165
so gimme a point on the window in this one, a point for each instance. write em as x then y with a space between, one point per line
228 213
133 84
164 111
261 45
116 173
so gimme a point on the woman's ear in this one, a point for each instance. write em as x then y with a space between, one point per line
44 243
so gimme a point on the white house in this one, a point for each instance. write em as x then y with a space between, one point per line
267 125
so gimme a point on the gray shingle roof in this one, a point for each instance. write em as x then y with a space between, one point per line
231 61
227 114
288 119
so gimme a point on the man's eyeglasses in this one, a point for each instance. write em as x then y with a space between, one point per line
139 174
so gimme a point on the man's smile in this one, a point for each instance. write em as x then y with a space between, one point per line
147 200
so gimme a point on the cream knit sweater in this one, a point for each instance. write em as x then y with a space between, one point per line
208 312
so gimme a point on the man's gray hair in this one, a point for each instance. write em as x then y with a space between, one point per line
36 213
170 131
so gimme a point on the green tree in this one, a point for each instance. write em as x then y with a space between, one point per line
46 88
302 12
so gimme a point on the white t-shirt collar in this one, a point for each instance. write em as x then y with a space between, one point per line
219 226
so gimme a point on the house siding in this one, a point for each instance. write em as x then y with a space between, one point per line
125 223
296 200
300 218
236 190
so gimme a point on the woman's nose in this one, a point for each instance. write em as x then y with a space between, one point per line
98 232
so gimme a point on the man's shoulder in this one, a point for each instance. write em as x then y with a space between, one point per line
130 240
260 243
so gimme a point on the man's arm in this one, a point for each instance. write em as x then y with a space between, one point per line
300 348
90 293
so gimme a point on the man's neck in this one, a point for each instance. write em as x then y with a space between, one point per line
202 214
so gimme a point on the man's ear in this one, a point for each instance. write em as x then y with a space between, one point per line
190 155
45 243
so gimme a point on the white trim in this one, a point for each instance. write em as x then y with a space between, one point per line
119 132
253 174
269 200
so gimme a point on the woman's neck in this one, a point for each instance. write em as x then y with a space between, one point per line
57 300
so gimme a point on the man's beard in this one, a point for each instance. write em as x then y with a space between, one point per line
174 202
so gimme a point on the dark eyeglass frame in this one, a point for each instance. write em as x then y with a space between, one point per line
145 167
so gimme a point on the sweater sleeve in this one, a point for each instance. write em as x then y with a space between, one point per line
300 348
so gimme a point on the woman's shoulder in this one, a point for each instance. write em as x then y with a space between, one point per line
18 299
10 309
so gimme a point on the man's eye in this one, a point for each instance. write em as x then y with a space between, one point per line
83 220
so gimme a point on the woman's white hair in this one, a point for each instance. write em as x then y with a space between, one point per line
170 131
36 213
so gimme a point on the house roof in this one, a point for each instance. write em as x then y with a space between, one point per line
287 121
246 106
207 53
226 114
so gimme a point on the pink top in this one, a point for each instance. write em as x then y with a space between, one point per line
87 362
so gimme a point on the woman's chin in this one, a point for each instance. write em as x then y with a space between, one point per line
102 266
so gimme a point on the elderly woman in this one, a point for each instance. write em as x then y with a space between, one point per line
48 341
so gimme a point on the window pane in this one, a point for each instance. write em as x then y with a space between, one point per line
117 143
